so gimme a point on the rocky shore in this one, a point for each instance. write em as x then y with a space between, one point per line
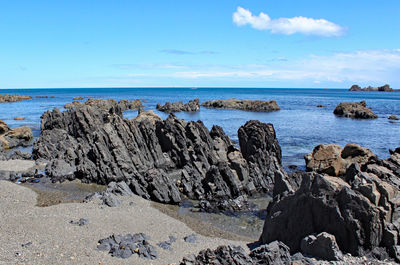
248 105
343 210
191 106
161 160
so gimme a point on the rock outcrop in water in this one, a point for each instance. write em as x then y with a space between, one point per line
333 160
248 105
11 138
357 110
191 106
13 98
161 160
106 104
385 88
360 209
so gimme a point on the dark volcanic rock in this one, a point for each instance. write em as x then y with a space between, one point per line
393 117
191 106
361 209
357 110
167 244
324 204
273 253
124 246
249 105
322 246
13 98
159 160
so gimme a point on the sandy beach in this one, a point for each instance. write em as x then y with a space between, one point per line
56 241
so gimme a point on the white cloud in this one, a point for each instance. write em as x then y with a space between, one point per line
369 67
287 26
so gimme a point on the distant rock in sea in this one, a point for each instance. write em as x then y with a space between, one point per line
357 110
13 98
77 98
19 118
191 106
393 117
106 104
385 88
248 105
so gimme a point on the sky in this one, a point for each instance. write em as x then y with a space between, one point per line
207 43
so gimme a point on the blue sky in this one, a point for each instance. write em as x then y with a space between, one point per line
268 43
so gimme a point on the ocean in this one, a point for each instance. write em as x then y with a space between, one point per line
299 125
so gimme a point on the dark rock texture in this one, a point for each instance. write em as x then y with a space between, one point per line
249 105
360 209
167 244
385 88
191 106
273 253
357 110
393 117
322 246
13 98
159 160
124 246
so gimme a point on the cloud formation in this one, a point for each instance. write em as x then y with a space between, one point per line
340 69
287 26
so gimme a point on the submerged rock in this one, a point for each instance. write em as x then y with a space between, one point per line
357 110
161 160
191 106
249 105
393 117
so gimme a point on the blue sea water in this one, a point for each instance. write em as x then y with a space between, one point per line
299 125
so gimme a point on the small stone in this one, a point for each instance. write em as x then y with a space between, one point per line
191 238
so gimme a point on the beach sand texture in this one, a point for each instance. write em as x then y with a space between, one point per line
56 241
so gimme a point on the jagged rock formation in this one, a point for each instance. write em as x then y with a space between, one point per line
249 105
333 160
159 160
385 88
106 104
357 110
191 106
361 209
13 98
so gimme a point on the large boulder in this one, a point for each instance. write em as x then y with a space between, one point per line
249 105
191 106
357 110
161 160
322 246
333 160
361 209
